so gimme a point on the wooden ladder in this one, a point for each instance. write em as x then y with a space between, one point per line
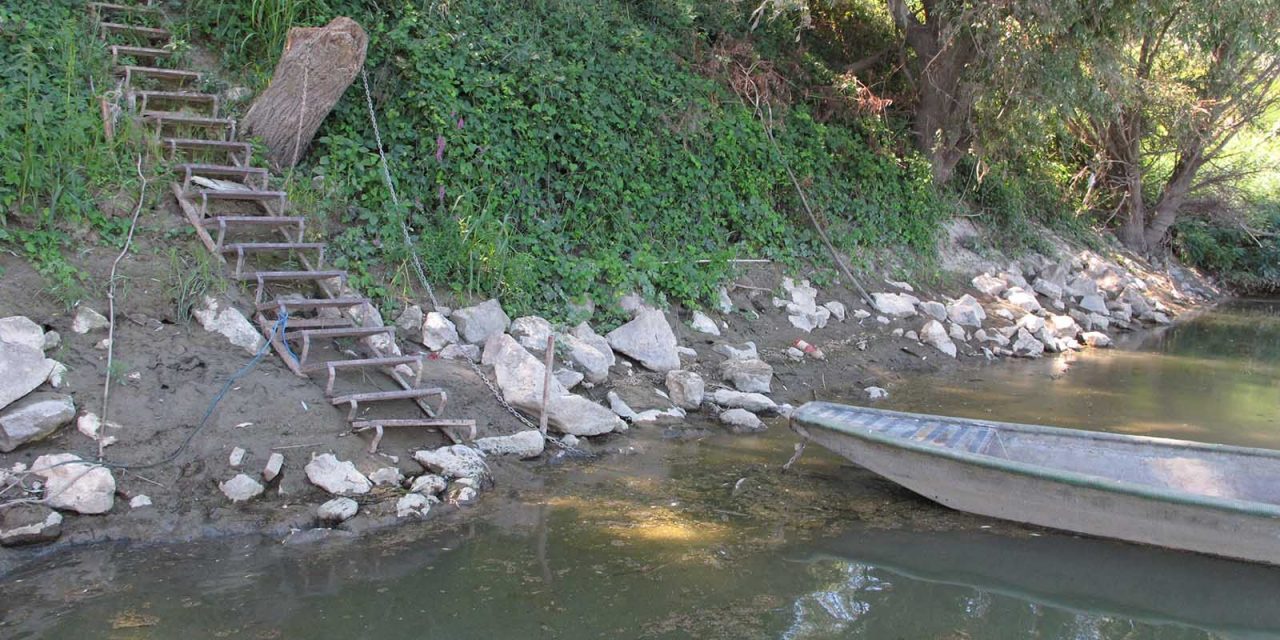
214 169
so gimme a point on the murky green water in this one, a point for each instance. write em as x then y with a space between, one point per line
706 539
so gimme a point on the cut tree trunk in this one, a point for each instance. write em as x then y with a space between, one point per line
317 66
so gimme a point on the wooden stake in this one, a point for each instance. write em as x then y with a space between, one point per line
546 382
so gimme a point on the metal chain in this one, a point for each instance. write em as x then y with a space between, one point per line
417 264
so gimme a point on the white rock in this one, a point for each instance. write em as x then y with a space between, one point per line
724 303
87 320
911 335
989 284
589 352
568 377
74 485
647 339
476 324
686 352
236 457
898 332
1048 288
520 377
1062 326
935 310
531 332
876 393
337 510
753 402
861 314
1160 318
702 323
438 332
1096 339
1099 322
966 311
229 323
461 494
1024 299
52 340
1026 345
837 309
386 476
139 501
897 305
461 352
22 369
751 376
29 524
686 388
1094 303
569 440
57 375
275 462
409 323
744 351
957 333
21 331
103 344
413 505
935 335
1081 286
339 477
33 418
883 320
241 488
428 484
742 421
455 461
525 444
1004 313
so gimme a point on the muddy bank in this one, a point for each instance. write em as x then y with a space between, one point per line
169 371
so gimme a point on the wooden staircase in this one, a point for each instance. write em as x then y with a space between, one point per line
330 328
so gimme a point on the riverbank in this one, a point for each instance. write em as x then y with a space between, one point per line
169 372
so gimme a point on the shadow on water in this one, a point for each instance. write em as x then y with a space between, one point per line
706 539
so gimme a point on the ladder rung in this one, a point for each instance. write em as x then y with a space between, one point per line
254 220
275 276
270 246
332 367
312 303
385 396
123 8
354 332
151 33
377 425
118 50
239 194
177 117
131 70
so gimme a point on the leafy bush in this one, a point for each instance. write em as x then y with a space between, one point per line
1247 260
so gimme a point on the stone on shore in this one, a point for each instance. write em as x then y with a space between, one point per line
236 457
461 352
935 335
702 323
750 376
933 309
428 484
454 461
966 312
989 284
139 501
753 402
73 485
686 389
229 323
1026 345
876 393
587 356
1096 339
87 320
568 377
386 477
525 444
742 421
520 377
478 323
409 324
338 477
33 418
337 510
1094 303
275 462
647 339
22 370
413 505
21 331
438 332
531 332
895 305
29 524
241 488
744 351
1025 300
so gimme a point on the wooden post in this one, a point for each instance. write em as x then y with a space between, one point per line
546 382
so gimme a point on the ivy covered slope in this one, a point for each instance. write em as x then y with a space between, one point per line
547 151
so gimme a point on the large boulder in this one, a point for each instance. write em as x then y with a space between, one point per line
703 323
520 377
478 323
989 284
73 485
1048 288
454 461
241 488
748 375
1026 300
753 402
647 339
525 444
1094 303
895 305
742 421
936 336
29 524
1026 345
22 369
409 324
935 310
33 418
966 312
744 351
531 332
339 477
589 352
1062 326
686 388
229 323
438 332
337 510
21 331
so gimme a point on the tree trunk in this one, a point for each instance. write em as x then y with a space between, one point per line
317 66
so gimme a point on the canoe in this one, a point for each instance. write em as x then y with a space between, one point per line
1092 577
1209 498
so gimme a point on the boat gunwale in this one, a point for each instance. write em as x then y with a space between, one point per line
1042 472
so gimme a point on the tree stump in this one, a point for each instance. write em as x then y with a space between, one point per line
317 66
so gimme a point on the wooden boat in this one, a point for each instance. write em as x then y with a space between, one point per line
1210 498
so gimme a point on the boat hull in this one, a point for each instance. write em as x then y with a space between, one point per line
992 487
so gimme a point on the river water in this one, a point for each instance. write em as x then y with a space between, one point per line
706 538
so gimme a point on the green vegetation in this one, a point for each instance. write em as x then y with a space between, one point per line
55 164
